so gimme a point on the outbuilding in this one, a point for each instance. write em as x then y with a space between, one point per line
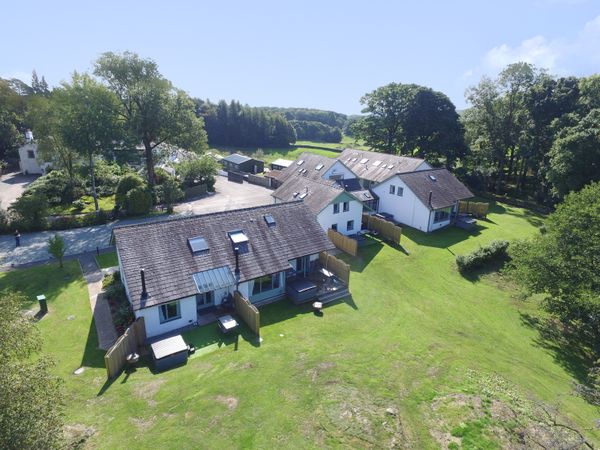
242 163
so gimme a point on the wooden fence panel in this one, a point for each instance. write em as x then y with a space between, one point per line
342 242
261 181
116 356
335 265
247 311
384 228
478 209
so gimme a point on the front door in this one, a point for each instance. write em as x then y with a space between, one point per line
204 301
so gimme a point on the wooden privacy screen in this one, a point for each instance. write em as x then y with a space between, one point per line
247 311
342 242
116 356
335 265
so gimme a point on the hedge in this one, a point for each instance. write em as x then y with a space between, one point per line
494 251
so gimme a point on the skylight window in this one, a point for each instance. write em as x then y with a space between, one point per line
295 194
270 220
300 162
364 160
320 166
384 166
198 244
353 159
432 178
303 195
377 163
238 237
391 166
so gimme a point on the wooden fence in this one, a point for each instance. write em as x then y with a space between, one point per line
342 242
247 311
261 181
335 265
384 228
478 209
116 356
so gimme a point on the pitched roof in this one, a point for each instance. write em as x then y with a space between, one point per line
444 187
282 162
375 166
236 158
316 194
162 249
353 185
306 167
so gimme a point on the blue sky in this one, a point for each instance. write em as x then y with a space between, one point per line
322 54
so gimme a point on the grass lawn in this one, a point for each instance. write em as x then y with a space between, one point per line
106 260
271 154
104 203
418 357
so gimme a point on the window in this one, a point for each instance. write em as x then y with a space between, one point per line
350 225
205 298
441 215
320 166
30 154
334 227
169 311
266 283
346 206
392 189
400 191
336 208
198 245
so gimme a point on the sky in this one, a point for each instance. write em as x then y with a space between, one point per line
320 54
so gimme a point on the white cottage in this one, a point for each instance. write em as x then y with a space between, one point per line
179 270
30 162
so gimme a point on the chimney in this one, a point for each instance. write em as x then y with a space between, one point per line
236 250
143 276
430 194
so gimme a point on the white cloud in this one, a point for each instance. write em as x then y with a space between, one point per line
577 55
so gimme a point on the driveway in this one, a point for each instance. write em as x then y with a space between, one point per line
228 195
12 186
34 246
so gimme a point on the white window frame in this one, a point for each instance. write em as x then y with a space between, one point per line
162 309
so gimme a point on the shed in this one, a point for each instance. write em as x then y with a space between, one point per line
169 352
280 164
242 163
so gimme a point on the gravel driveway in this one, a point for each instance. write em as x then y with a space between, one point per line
12 186
34 246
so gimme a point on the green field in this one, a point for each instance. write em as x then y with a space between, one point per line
420 357
106 260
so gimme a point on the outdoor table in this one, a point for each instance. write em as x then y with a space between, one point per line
227 323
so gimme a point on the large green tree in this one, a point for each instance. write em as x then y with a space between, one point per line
154 111
31 405
564 262
89 121
411 120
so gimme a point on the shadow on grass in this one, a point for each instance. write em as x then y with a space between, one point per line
567 347
92 355
210 334
446 237
487 269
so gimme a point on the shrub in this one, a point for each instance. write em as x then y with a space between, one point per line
126 184
198 171
56 247
169 192
138 201
107 175
494 251
79 204
31 211
57 187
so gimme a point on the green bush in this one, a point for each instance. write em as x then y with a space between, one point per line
494 251
126 184
169 192
198 171
57 187
107 175
30 211
138 201
79 204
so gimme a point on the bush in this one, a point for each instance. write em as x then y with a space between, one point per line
169 192
138 201
31 211
107 175
57 187
494 251
79 204
198 171
126 184
82 220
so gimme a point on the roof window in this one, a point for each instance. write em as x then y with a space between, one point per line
198 244
269 219
238 237
300 162
320 166
364 160
376 163
433 178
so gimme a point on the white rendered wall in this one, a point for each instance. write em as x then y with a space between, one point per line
187 308
326 218
407 209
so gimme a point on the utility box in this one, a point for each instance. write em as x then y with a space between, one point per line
43 305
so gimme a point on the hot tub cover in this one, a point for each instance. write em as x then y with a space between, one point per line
169 346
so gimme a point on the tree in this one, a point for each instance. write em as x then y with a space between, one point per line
563 263
56 247
170 192
31 210
411 120
138 201
39 87
31 406
575 155
198 171
154 111
126 184
89 123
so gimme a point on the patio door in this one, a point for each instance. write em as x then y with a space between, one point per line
204 300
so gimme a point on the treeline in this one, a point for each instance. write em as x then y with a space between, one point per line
314 124
244 126
527 134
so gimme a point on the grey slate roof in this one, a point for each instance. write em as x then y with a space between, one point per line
353 185
377 172
161 248
236 158
319 193
445 190
311 162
